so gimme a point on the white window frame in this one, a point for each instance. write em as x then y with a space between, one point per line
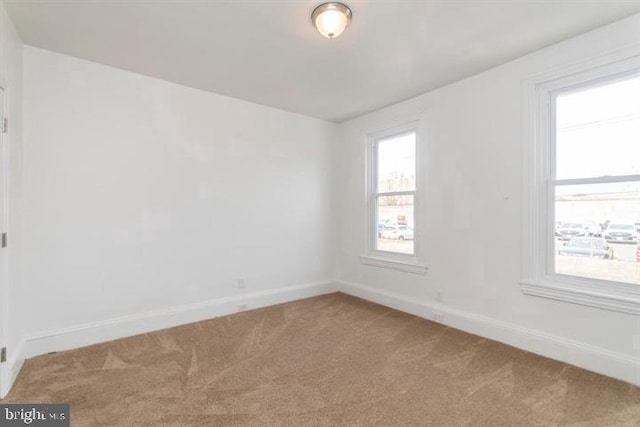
539 277
410 263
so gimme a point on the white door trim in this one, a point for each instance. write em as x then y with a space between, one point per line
4 251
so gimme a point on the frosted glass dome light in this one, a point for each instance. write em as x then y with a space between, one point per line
331 19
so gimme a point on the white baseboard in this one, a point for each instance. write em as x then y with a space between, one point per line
14 364
97 332
602 361
623 367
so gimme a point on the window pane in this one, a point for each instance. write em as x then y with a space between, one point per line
596 231
396 168
598 130
395 224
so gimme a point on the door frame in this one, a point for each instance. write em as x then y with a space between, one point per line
4 226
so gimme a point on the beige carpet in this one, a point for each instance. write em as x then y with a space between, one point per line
327 361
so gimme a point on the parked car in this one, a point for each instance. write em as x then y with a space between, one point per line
384 223
595 247
619 232
567 230
400 232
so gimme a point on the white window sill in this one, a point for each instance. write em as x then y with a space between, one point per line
623 302
407 267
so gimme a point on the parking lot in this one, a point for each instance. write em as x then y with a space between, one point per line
596 268
621 251
623 267
624 251
396 245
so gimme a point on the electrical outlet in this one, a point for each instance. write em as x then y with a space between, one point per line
439 296
437 317
241 284
242 307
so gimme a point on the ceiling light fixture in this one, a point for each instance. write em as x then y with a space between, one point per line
331 19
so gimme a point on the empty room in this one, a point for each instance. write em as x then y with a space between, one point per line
307 213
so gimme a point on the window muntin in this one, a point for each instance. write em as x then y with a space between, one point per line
595 182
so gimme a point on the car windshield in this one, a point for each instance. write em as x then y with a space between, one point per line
587 243
620 227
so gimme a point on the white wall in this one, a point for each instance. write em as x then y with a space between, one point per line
11 80
143 195
473 198
145 199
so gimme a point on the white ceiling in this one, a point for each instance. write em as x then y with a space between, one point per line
268 52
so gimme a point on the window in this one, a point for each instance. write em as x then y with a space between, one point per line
597 179
392 226
583 184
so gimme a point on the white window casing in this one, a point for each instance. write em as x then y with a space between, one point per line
410 263
539 183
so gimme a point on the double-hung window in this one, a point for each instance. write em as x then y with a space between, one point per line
582 231
393 225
